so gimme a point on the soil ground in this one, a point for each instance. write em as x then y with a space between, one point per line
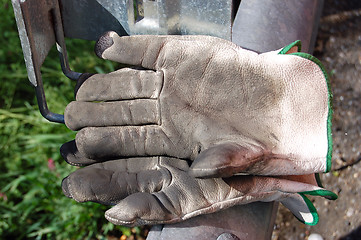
339 48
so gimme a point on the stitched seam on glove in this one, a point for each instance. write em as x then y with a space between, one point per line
296 43
321 192
329 117
318 180
158 98
255 160
312 209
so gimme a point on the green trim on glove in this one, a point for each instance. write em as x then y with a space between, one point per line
318 180
320 192
312 209
324 193
329 118
296 43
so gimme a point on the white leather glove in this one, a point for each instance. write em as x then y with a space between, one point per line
200 99
206 99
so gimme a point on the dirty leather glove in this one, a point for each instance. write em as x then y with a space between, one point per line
205 99
157 190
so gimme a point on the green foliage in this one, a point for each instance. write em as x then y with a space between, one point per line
31 201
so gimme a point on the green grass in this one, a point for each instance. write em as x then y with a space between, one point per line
32 205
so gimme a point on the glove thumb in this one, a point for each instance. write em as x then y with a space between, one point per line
228 159
302 207
140 209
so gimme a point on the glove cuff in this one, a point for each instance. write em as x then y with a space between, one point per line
295 49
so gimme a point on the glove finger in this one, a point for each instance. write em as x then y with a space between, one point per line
123 84
133 50
225 160
140 209
188 198
80 81
192 197
171 203
90 114
106 143
138 164
144 50
258 184
99 183
302 208
72 156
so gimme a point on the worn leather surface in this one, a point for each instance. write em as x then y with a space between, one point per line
200 100
206 99
158 190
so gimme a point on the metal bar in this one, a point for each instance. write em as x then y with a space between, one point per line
89 19
34 21
269 25
81 18
60 43
35 32
253 221
43 107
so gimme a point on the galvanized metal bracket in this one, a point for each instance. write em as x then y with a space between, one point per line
40 24
88 19
40 27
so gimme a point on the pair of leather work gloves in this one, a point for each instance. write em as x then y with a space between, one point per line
198 125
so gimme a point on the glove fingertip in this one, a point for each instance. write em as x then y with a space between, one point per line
103 43
143 209
198 171
302 208
112 215
67 150
80 82
65 188
217 161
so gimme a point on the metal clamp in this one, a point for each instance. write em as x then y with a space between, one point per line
40 27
